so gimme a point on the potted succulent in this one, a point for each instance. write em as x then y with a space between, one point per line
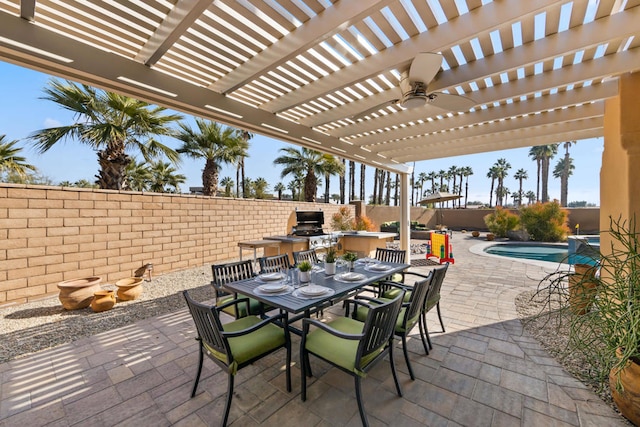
350 258
305 271
330 261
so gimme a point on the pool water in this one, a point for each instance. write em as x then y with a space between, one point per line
558 253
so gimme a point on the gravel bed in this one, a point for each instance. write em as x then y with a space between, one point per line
38 325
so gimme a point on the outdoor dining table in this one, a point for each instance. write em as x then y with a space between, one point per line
304 306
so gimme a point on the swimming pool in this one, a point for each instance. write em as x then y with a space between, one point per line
558 253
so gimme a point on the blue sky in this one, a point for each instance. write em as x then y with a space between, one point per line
22 112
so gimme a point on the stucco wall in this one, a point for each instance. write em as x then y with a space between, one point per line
50 234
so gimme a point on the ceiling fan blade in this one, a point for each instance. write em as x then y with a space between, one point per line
424 67
450 102
372 110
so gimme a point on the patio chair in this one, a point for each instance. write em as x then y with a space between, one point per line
233 272
410 313
273 264
308 255
388 255
433 300
237 344
352 346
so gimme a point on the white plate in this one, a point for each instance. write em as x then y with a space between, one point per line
272 288
270 277
379 267
312 290
352 277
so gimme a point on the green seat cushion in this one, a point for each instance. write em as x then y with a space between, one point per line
339 351
254 344
255 306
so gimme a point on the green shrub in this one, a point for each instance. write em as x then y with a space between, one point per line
545 222
501 221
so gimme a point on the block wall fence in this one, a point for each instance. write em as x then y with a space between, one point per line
50 234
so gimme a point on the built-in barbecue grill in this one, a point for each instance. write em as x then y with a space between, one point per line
309 223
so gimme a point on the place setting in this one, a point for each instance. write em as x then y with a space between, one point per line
312 291
378 267
273 284
349 277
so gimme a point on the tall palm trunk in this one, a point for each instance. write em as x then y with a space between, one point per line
113 164
244 183
343 181
396 190
327 178
493 180
380 186
387 197
545 179
209 178
375 186
539 167
363 174
310 186
352 180
238 181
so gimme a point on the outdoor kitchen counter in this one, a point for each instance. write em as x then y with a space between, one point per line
365 243
288 245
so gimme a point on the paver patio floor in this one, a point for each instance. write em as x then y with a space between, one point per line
485 370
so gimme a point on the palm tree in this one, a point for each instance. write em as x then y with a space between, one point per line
530 196
352 180
503 167
279 187
260 187
304 161
138 176
214 143
563 170
567 164
112 125
422 178
293 187
453 174
331 166
164 178
542 154
467 172
536 154
493 174
520 175
11 161
431 176
227 183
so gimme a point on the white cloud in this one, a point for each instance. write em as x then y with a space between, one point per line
51 123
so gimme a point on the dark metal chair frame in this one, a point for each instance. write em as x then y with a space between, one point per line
273 264
378 330
232 272
414 307
211 333
308 255
433 300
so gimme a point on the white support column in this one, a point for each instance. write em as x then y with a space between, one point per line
405 214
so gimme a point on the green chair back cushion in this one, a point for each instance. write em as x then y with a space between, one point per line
340 351
254 306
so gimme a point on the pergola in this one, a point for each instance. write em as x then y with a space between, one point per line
325 74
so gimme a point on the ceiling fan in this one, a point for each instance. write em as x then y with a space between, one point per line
415 92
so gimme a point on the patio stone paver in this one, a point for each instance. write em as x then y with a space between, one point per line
484 370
